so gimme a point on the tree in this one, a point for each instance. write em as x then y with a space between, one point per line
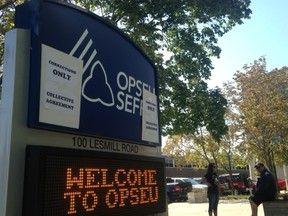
188 31
234 141
7 9
198 149
261 103
201 148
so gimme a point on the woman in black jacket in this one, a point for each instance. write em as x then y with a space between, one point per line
211 179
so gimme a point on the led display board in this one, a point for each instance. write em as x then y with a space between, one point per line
87 77
61 182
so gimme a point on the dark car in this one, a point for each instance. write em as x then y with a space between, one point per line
194 184
238 183
185 182
176 191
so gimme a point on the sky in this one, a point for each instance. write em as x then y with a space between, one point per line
264 34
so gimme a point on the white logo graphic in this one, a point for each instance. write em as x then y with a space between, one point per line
91 90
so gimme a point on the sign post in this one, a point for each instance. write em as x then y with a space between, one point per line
79 121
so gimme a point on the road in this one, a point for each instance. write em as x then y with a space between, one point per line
225 208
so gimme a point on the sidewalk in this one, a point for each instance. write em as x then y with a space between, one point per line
225 208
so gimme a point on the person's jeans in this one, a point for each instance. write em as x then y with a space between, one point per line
213 201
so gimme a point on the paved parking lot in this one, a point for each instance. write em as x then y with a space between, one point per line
225 208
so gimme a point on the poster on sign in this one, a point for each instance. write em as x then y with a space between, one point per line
60 94
150 117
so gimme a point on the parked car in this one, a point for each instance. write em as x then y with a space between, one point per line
176 192
281 185
188 185
195 185
238 184
198 179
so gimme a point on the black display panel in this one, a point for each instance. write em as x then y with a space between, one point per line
73 182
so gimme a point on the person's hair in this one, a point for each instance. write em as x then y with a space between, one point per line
210 167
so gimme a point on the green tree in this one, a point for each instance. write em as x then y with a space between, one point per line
7 9
261 102
188 31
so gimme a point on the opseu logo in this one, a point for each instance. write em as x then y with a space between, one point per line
96 87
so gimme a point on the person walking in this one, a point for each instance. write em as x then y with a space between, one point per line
211 179
266 188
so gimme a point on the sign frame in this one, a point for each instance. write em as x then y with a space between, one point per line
36 180
112 122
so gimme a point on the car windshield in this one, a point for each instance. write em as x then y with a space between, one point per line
236 178
193 182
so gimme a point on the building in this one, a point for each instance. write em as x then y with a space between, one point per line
192 170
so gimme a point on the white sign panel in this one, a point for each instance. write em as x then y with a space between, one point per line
60 95
150 117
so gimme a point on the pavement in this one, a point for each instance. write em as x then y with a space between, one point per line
225 208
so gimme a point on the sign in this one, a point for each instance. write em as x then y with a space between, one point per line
60 93
150 116
62 182
87 77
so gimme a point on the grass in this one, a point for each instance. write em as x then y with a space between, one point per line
234 197
283 196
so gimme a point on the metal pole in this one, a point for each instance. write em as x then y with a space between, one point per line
285 176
